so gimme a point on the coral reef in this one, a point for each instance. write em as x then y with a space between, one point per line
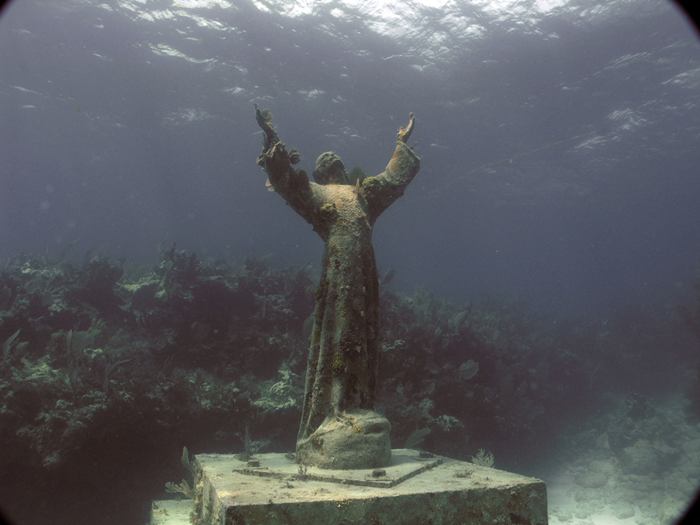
101 369
109 370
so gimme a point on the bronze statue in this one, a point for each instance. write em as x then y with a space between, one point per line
339 428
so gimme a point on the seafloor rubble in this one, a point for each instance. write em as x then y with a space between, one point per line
637 465
108 370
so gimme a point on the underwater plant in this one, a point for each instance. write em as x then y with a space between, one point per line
483 458
198 350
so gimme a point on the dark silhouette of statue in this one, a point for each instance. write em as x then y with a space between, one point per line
339 427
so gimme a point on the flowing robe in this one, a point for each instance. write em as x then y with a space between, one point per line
343 354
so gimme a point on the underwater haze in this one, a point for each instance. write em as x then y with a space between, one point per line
553 234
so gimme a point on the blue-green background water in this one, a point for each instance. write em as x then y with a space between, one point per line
559 144
559 138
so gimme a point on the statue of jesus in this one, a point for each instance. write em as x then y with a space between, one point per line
339 427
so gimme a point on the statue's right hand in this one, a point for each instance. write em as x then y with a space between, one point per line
264 119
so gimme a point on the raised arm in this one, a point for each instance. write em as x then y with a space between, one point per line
293 185
382 190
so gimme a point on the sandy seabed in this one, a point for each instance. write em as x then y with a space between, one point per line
649 480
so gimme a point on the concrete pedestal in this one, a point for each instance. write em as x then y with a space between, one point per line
416 489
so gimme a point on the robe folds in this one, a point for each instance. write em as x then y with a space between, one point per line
343 352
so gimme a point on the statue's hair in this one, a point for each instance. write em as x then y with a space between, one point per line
329 164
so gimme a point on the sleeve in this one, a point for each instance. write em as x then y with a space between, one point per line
382 190
291 184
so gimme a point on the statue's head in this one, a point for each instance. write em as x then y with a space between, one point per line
330 169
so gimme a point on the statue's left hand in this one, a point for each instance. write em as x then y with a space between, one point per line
405 132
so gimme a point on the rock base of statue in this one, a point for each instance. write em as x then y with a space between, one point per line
417 488
351 440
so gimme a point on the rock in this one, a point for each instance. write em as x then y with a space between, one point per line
670 510
595 476
351 440
691 447
641 458
591 480
564 515
624 511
